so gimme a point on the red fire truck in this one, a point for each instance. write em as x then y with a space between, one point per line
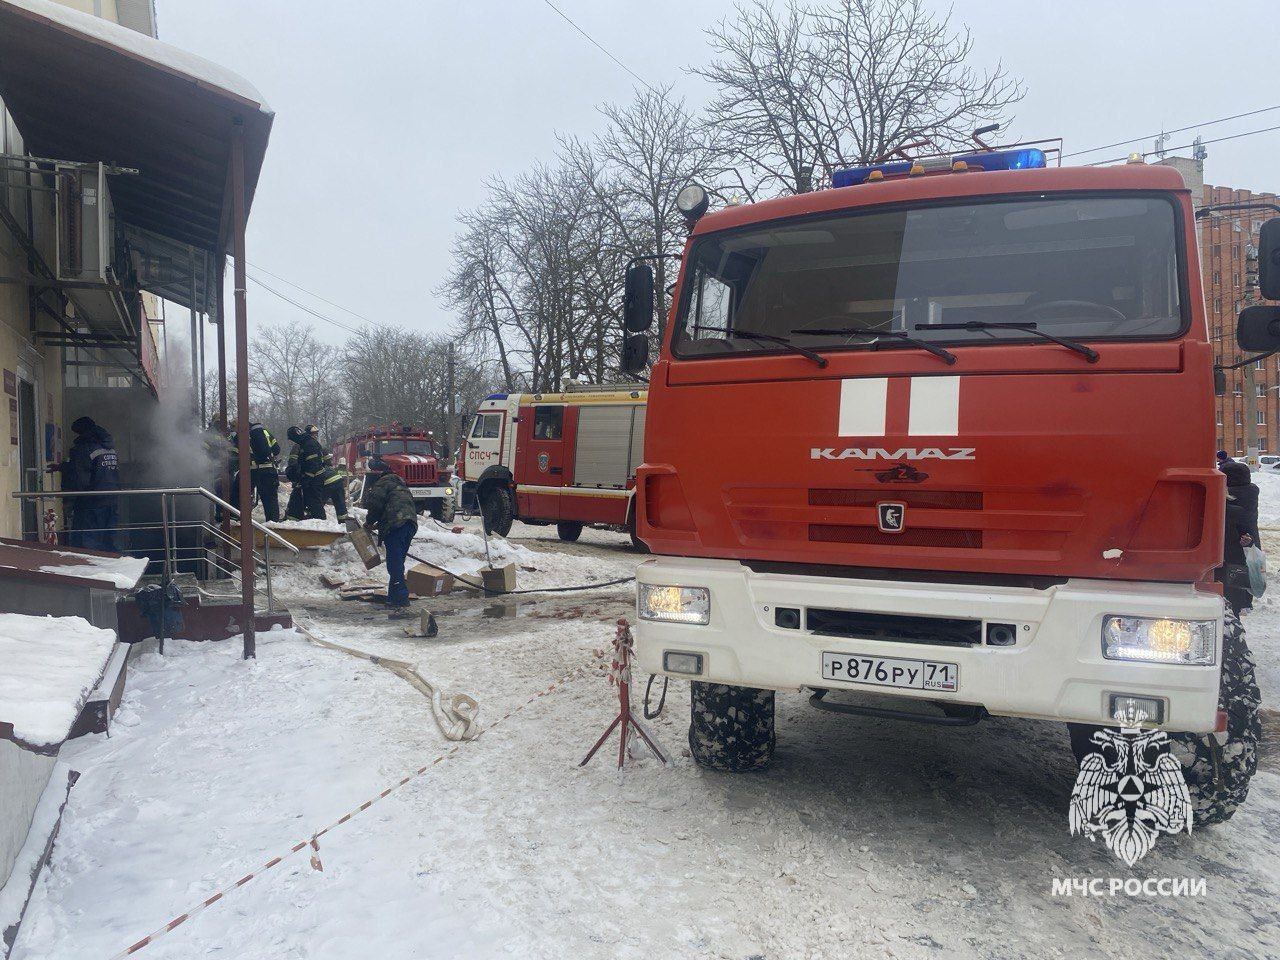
944 433
412 454
562 458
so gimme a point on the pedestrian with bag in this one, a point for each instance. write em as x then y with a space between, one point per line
1243 570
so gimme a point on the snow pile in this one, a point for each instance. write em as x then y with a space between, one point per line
328 525
50 664
123 572
464 552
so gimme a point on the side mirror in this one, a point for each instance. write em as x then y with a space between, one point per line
637 298
1259 328
1269 259
635 353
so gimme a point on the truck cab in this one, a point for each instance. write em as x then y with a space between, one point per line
986 390
412 455
567 459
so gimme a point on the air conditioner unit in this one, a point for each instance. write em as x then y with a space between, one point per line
86 248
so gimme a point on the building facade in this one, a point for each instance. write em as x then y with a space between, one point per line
36 362
1248 412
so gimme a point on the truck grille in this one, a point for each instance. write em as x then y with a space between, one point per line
931 499
898 628
418 472
910 537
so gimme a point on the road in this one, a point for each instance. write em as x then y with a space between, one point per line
865 838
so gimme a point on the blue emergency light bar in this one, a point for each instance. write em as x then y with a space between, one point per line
1024 158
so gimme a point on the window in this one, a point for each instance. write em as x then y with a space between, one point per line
1239 445
1262 418
1262 389
487 426
1239 418
548 423
1262 444
1257 365
1089 268
422 448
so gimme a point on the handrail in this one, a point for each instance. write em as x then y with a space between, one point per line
154 491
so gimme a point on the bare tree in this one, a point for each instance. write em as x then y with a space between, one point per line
293 379
812 88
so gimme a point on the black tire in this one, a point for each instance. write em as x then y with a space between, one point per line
1218 774
442 509
638 545
731 728
497 510
568 530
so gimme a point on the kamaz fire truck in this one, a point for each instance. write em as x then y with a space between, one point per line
563 458
411 454
937 443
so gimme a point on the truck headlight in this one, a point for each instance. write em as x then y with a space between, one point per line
675 604
1159 640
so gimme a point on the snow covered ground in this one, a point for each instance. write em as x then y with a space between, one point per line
865 839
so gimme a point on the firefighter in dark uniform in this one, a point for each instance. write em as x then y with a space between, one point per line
304 500
332 482
92 465
264 469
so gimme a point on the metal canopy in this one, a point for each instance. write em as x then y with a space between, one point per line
85 89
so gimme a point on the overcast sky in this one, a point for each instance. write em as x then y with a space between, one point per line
390 116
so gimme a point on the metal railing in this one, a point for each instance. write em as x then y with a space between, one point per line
169 527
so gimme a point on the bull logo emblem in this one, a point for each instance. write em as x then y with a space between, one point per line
1129 792
891 517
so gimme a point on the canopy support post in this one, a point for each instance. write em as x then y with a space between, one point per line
242 386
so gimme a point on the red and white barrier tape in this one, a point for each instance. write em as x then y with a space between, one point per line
312 841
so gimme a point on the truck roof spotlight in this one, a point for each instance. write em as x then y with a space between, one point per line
692 202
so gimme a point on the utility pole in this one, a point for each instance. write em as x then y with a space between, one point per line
451 387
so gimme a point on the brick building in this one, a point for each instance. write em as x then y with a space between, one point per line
1249 410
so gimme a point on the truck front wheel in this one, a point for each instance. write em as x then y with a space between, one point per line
568 530
442 509
1218 772
496 509
731 728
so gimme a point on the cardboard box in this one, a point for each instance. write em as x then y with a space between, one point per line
428 581
499 579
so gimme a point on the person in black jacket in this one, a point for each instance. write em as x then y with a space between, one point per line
1241 532
264 469
332 481
92 464
304 500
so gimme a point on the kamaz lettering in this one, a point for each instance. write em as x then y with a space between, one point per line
883 453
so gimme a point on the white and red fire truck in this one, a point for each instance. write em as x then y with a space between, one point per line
563 458
410 453
985 386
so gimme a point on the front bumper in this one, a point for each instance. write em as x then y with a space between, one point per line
431 493
1055 671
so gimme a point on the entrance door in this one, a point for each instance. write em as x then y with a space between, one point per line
29 458
542 461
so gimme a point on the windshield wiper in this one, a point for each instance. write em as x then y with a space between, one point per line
1028 326
771 338
939 352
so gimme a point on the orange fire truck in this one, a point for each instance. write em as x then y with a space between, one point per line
410 453
563 458
944 434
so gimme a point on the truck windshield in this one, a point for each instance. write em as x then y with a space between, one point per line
1085 268
423 447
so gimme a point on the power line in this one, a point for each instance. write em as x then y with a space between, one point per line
599 46
302 306
1194 126
313 294
1184 146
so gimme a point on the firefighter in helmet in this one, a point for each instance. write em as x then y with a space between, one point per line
304 500
332 481
264 468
